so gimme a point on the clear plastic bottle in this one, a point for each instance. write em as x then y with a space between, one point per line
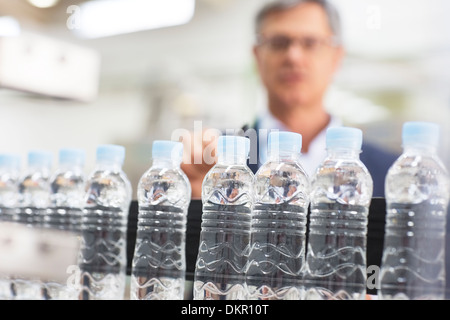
417 196
34 201
164 194
9 185
341 193
67 185
278 235
9 195
104 227
34 188
227 197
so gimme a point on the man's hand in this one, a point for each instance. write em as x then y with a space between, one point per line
199 157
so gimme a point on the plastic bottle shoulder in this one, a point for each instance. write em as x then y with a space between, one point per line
417 177
282 182
67 188
232 184
346 181
108 188
9 190
162 186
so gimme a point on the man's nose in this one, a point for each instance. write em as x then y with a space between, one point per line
295 51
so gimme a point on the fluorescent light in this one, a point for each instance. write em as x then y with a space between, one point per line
9 27
43 3
104 18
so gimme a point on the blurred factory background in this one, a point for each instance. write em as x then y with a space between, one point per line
66 81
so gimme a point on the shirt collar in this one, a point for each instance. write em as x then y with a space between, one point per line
317 147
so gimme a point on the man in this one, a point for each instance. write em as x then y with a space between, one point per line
298 51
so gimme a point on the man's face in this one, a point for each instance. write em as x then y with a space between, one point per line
296 57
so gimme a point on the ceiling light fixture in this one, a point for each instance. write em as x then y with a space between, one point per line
104 18
44 3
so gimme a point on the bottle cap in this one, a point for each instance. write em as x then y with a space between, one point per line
344 138
285 141
110 153
167 149
40 158
233 146
71 156
10 160
418 133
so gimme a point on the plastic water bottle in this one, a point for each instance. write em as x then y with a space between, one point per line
9 185
164 195
104 227
34 188
34 201
67 186
227 197
417 196
278 235
341 193
9 192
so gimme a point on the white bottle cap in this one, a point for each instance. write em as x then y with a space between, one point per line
233 146
167 149
344 138
72 156
284 141
40 158
417 133
10 160
110 153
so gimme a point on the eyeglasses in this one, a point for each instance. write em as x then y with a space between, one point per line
280 43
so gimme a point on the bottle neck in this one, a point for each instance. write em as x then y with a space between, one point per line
165 163
227 159
423 149
343 153
112 166
283 156
44 170
70 167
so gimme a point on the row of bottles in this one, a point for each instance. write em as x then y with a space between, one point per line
255 244
254 227
93 208
255 240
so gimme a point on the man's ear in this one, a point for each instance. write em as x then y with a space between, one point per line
256 55
255 51
339 57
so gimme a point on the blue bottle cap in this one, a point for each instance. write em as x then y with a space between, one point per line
419 133
10 160
344 138
233 146
110 153
40 158
285 141
167 149
71 156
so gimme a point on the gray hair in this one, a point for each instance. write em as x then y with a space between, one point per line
332 13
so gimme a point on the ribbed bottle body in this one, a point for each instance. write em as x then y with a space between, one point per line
227 197
278 232
103 235
341 192
417 195
159 260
